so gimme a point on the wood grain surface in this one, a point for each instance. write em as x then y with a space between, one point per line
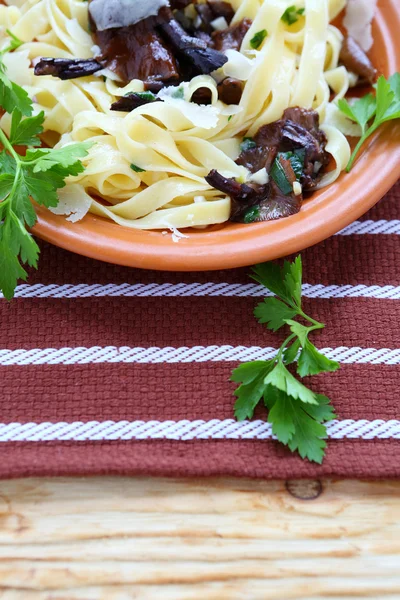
153 539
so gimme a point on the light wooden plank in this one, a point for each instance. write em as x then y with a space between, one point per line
219 539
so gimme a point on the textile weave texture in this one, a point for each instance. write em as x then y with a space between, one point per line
110 370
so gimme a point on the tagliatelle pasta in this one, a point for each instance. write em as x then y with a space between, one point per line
175 143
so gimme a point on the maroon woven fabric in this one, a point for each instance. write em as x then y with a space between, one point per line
193 391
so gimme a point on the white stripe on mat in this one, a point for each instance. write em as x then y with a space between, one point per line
170 290
372 227
194 354
183 430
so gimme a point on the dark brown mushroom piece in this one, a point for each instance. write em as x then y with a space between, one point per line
202 96
297 130
137 52
252 203
355 59
278 205
194 51
65 68
230 90
292 150
134 100
231 38
301 131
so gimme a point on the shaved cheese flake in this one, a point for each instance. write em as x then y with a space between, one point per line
202 116
108 14
358 21
238 65
74 202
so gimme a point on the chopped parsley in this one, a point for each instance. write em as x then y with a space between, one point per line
137 169
258 39
292 15
278 173
251 215
145 96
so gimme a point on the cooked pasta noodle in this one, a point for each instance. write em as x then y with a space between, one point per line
175 143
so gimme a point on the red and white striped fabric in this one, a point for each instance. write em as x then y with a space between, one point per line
105 369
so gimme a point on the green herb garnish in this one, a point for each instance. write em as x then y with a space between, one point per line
38 175
370 112
247 144
292 15
137 169
258 39
297 413
251 215
278 172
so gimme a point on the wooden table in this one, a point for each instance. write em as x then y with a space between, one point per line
153 539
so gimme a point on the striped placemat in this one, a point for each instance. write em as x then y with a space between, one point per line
106 369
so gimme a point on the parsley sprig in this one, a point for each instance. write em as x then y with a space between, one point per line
297 414
35 174
371 111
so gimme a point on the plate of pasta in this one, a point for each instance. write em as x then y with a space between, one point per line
212 134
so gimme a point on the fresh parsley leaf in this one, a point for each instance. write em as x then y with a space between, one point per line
274 313
282 379
373 111
21 204
258 39
280 417
292 15
12 96
291 353
295 426
15 42
322 412
249 394
293 274
296 412
361 111
66 158
37 175
312 362
272 277
300 331
10 268
137 169
309 439
25 132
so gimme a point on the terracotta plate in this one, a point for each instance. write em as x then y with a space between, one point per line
232 245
